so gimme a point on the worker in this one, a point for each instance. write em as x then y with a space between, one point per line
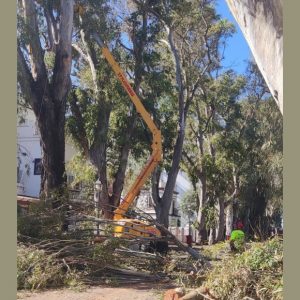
237 237
189 240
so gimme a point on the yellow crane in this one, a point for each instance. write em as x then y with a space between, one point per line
133 227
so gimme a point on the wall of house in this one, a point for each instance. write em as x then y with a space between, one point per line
29 150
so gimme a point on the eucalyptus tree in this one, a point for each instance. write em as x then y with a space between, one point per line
102 122
44 55
252 143
204 159
261 177
190 37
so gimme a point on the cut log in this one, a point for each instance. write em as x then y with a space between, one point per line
199 294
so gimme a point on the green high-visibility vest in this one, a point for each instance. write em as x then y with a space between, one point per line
237 235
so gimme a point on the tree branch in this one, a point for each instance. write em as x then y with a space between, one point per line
123 159
155 186
81 133
192 164
91 59
63 59
38 68
25 80
126 48
51 27
81 52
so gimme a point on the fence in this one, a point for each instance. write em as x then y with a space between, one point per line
182 233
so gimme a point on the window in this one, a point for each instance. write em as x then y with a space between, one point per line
38 166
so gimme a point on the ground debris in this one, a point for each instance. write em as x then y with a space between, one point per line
180 294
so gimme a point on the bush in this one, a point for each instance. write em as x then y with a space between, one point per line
256 273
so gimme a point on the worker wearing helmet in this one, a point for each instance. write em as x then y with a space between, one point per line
237 237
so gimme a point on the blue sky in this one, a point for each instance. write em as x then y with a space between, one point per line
237 50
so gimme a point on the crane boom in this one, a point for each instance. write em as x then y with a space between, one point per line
156 146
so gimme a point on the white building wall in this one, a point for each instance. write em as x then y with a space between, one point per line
28 141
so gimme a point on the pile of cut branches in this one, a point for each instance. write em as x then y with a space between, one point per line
255 274
89 248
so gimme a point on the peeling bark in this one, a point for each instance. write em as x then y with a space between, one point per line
261 22
229 219
202 235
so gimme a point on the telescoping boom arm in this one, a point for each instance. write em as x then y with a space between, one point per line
156 146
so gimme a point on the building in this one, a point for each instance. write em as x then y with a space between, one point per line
176 218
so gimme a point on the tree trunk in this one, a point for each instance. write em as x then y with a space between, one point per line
97 155
258 203
229 219
163 206
51 123
262 25
162 214
211 238
123 158
221 221
47 96
202 235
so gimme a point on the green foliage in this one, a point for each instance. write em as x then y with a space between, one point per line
38 270
261 174
49 60
235 131
264 256
256 273
208 142
41 221
21 107
134 168
211 216
104 252
82 171
188 203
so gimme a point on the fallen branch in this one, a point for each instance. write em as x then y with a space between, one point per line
165 232
140 254
195 254
132 273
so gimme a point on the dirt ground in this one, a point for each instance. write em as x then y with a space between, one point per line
137 292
